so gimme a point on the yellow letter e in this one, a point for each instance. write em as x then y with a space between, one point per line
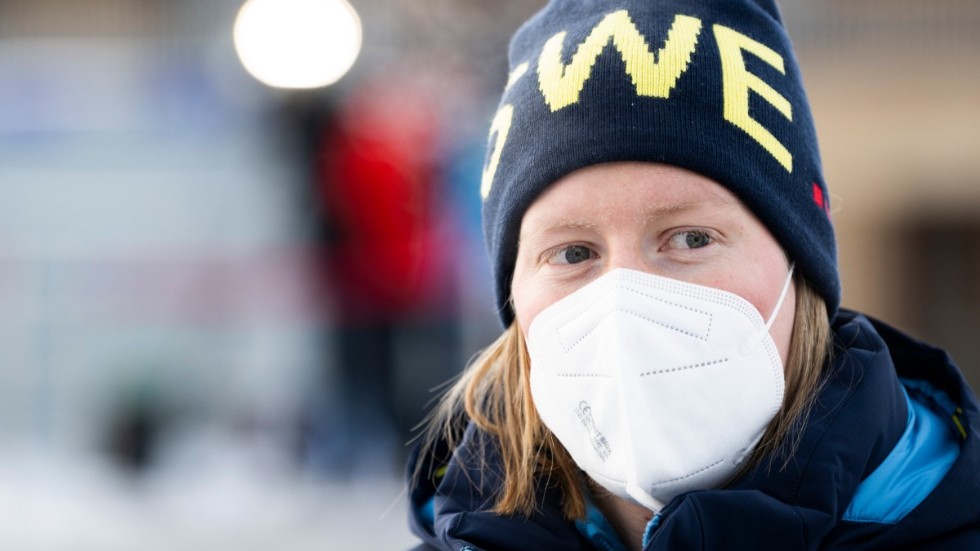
736 83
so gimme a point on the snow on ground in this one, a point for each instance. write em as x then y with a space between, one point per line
215 500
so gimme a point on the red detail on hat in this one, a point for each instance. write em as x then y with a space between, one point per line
819 199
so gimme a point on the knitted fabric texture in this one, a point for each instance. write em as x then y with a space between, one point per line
709 86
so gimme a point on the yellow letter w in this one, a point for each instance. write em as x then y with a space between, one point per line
561 84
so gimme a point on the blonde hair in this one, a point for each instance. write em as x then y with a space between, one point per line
495 394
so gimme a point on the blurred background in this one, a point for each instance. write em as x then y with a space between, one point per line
224 304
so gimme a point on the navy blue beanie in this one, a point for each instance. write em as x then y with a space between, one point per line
711 86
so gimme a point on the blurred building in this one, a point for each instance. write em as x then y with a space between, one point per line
146 247
895 90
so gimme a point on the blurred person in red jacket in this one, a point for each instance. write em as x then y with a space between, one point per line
386 254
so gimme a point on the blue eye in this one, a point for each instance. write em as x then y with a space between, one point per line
572 254
692 239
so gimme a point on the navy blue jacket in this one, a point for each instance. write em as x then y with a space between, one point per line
890 459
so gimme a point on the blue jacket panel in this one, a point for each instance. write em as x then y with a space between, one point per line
850 449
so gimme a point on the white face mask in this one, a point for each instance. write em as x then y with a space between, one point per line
655 386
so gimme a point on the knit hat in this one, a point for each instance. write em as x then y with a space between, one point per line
711 86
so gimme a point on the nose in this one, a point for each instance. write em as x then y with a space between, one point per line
630 254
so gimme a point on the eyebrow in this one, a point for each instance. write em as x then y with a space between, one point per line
561 225
650 215
668 210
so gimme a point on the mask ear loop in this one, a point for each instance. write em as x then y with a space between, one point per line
782 296
753 341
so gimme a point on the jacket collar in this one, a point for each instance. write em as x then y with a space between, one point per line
860 414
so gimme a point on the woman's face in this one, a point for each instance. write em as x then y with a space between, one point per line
653 218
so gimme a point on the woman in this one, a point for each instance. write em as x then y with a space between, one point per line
676 372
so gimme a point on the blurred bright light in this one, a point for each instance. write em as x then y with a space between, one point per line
297 43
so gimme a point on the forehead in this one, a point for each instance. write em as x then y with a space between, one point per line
616 190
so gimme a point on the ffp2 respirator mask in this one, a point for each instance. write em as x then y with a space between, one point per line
655 386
